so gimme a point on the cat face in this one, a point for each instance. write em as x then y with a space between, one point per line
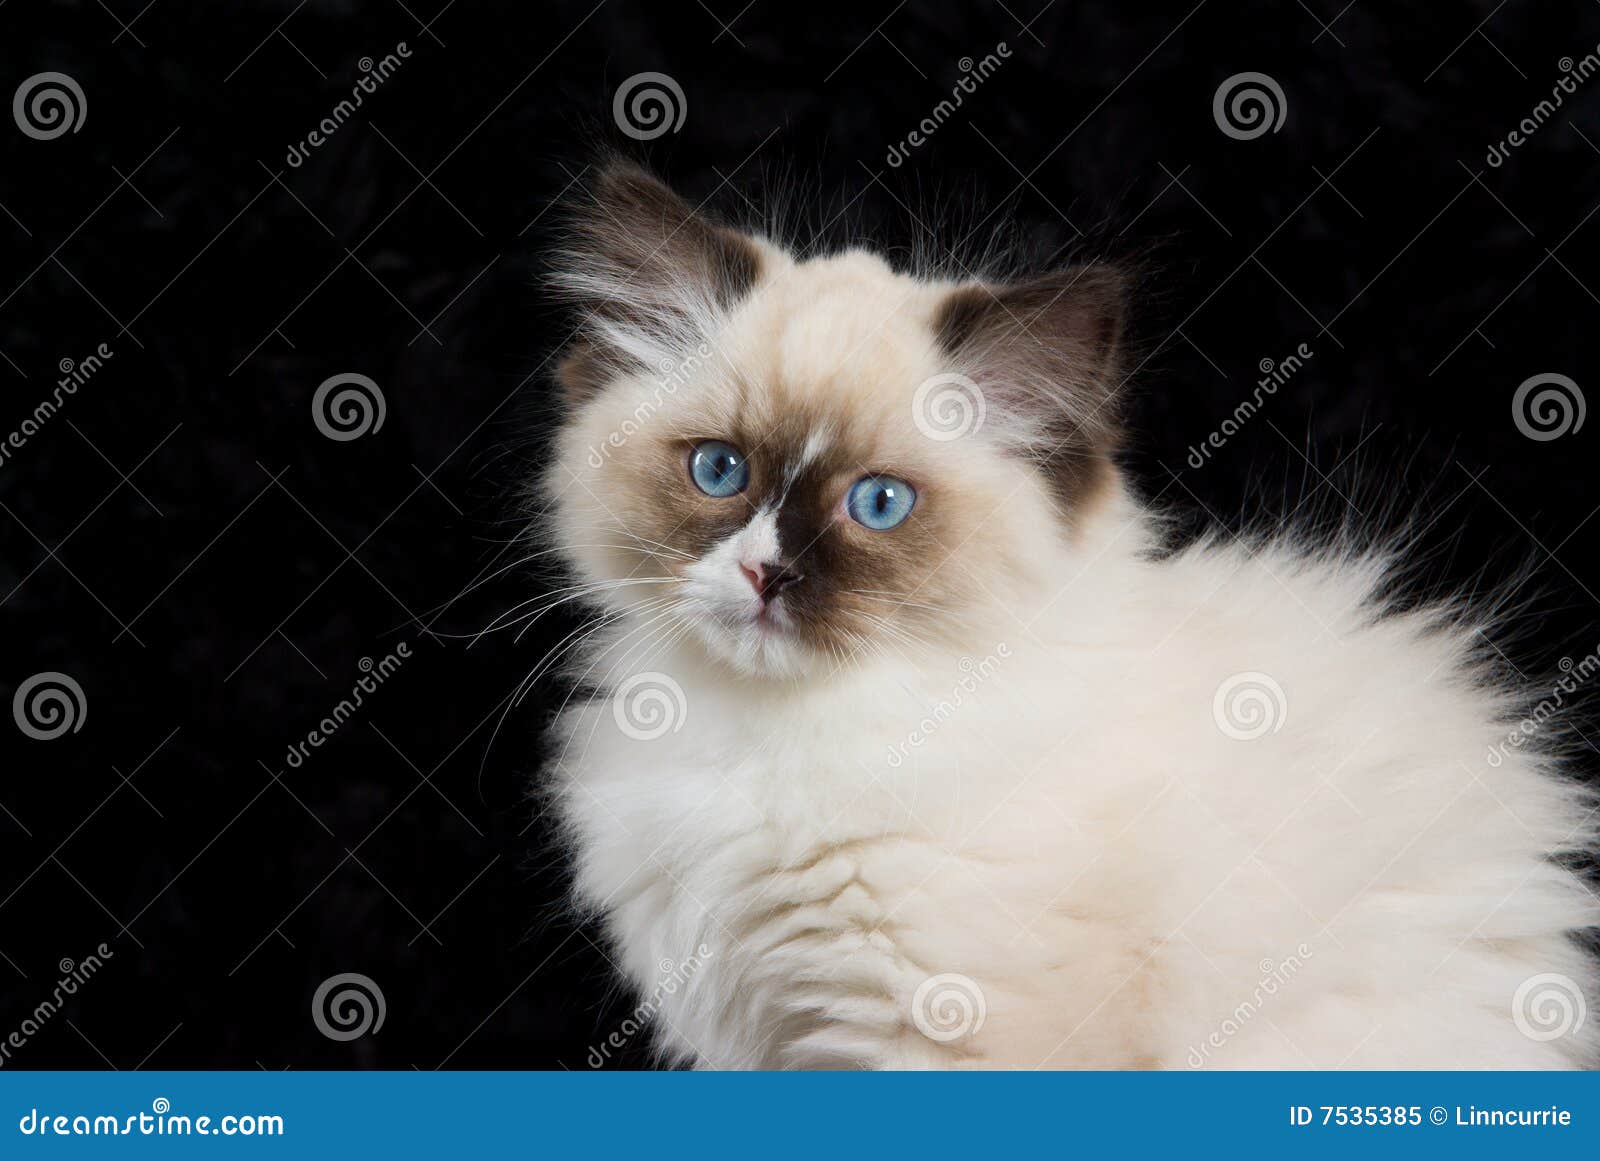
799 463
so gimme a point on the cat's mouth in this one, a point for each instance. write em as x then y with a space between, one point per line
763 618
753 613
752 634
770 617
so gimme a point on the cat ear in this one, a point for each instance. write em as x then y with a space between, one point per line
1046 355
651 275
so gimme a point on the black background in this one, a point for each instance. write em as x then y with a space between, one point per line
183 542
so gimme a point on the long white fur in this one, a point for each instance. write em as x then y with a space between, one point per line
1050 826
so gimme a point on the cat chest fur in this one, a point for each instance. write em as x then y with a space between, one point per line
1069 864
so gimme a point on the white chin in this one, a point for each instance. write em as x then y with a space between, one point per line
765 648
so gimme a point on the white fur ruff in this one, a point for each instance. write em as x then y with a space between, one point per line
1207 811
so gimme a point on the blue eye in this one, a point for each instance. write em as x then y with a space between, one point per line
718 469
880 502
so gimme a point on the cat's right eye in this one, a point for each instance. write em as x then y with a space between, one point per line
718 469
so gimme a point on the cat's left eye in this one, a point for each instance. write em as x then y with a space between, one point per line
718 469
880 502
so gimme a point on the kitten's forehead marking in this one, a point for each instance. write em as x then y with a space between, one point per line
817 442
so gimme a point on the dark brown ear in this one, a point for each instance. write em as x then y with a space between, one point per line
1046 354
650 274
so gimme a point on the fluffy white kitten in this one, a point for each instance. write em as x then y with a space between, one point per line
911 750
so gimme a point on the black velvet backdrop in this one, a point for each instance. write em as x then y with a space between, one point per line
181 541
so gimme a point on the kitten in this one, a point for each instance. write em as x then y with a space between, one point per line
912 744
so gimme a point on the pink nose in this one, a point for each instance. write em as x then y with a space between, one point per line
756 575
768 580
